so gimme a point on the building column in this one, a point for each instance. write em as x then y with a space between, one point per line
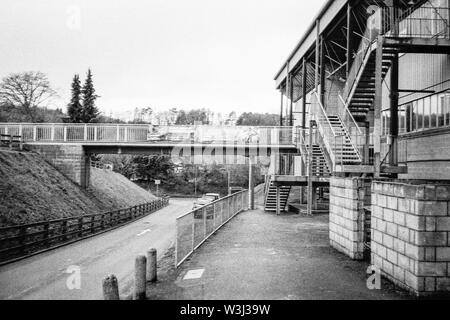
310 175
281 108
291 104
378 105
393 130
322 71
317 59
349 37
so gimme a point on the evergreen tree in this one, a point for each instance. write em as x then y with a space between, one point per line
75 109
90 112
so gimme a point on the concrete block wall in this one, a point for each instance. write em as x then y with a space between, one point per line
70 160
348 196
411 235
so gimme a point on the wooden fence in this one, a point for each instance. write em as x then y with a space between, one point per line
17 242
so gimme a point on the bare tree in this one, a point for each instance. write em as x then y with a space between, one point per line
26 91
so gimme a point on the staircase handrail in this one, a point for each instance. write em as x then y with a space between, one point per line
351 127
347 117
302 145
324 126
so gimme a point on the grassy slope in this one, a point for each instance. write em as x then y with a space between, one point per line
116 190
32 190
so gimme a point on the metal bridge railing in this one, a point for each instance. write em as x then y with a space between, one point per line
127 133
195 227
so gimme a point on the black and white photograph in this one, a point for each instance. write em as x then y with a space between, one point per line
220 159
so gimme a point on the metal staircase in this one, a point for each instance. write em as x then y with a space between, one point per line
334 137
270 203
319 164
359 93
344 149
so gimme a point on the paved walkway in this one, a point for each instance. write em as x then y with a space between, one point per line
259 255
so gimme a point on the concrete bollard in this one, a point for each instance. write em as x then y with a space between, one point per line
110 288
140 282
152 265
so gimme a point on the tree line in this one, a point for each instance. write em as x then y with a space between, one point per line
182 178
27 97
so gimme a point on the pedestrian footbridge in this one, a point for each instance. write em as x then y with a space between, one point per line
68 146
130 138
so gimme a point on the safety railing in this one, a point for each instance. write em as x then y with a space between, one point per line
303 144
326 132
24 240
125 133
423 22
285 164
353 131
195 227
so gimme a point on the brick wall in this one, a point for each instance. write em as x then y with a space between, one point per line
348 196
70 160
411 235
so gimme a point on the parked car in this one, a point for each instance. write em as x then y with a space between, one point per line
206 199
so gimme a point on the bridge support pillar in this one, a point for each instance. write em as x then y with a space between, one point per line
71 160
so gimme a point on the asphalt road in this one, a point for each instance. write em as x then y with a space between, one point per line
45 276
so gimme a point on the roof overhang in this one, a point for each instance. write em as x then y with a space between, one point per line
323 20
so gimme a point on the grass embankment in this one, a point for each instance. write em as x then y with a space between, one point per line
32 190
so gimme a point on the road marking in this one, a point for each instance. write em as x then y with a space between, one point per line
194 274
143 232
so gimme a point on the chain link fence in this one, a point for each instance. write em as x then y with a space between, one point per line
196 226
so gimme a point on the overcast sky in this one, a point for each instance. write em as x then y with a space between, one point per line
221 55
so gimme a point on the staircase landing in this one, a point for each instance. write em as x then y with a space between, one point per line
300 180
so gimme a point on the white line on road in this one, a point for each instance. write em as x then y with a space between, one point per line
143 232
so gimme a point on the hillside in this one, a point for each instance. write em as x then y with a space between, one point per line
32 190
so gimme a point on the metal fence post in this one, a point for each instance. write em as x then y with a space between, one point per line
193 231
34 133
80 227
65 134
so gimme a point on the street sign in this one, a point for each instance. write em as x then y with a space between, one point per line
157 182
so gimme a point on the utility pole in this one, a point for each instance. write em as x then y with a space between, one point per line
251 189
195 180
